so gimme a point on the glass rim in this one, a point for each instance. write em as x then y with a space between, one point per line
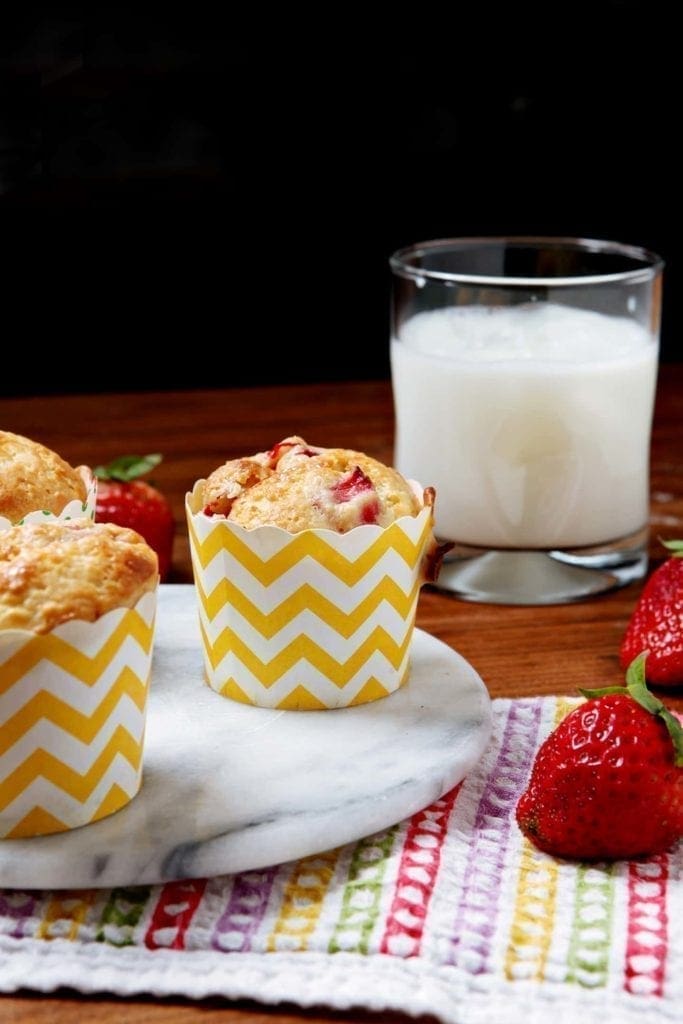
400 266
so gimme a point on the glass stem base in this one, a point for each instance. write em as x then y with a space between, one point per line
543 577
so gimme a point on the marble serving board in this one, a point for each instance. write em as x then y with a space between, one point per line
229 787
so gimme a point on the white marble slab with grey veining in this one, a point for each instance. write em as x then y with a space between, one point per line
228 787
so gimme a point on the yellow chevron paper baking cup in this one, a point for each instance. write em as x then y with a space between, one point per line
73 510
311 620
72 720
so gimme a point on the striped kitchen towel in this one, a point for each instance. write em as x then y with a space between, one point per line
451 913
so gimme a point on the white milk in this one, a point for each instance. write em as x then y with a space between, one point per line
532 422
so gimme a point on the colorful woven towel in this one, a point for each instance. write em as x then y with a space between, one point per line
451 913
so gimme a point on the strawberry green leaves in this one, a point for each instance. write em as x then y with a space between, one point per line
636 687
128 467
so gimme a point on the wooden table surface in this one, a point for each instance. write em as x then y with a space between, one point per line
517 651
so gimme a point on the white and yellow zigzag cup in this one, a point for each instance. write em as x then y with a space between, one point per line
72 720
310 620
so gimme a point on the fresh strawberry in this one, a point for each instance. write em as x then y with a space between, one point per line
608 782
657 622
127 501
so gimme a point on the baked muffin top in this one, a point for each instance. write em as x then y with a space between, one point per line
297 486
60 570
34 478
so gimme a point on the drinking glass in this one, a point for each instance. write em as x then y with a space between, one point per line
524 374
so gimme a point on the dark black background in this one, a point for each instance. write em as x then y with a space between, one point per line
238 186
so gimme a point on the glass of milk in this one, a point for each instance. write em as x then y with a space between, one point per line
524 373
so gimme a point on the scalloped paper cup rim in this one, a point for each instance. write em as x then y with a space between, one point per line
74 509
73 631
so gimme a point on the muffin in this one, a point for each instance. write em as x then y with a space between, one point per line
308 564
298 487
53 572
34 479
77 602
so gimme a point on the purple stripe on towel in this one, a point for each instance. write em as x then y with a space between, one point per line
17 908
477 912
244 912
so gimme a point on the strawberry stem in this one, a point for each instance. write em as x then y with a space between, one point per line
636 687
636 684
127 467
603 691
674 546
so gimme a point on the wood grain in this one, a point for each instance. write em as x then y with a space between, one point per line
517 651
70 1007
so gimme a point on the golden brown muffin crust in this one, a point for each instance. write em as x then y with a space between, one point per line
297 487
34 478
227 482
56 571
